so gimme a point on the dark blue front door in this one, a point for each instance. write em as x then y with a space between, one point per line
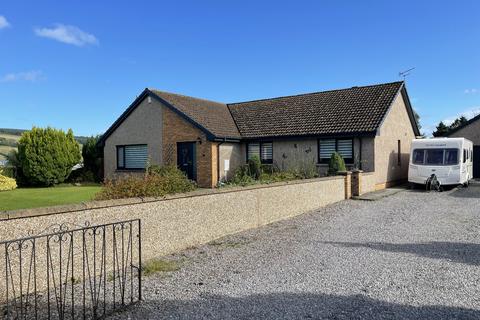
186 159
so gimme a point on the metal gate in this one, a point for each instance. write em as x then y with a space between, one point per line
476 161
72 272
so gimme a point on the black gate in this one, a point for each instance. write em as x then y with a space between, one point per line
72 272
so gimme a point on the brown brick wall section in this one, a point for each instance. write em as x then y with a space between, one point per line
176 129
357 183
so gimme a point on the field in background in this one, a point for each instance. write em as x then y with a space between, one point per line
15 134
5 149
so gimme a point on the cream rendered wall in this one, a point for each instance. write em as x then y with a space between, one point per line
396 126
142 126
177 222
470 132
235 153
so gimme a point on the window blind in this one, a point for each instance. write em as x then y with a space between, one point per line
344 148
132 156
267 152
327 147
253 150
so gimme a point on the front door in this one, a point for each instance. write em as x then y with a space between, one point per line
186 159
476 161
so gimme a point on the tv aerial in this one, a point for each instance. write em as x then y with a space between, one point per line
404 74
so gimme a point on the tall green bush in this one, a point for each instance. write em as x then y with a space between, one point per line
255 167
336 164
46 156
92 158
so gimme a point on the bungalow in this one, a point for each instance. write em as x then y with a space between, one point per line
370 126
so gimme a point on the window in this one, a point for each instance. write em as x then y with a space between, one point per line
465 155
328 146
132 157
263 150
451 156
435 156
399 153
418 156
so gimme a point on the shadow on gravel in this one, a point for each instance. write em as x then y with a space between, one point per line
473 191
293 306
468 253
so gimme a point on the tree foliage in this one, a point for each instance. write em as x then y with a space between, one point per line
46 156
443 130
92 157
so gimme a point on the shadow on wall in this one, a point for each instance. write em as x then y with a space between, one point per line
467 253
294 306
398 167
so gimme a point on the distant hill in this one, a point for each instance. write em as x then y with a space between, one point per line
9 138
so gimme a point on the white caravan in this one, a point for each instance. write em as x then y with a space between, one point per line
449 159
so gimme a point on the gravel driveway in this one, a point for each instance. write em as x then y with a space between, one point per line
413 255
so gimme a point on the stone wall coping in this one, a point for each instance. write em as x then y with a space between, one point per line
35 212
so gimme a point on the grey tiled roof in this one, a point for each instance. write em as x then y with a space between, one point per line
344 111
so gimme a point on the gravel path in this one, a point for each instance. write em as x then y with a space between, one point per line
413 255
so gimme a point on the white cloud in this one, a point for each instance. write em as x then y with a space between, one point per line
30 76
471 91
4 23
67 34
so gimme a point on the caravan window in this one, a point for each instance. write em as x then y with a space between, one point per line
418 156
451 156
434 156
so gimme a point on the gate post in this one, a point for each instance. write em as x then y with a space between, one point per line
347 183
357 182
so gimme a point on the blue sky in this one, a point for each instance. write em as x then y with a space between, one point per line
79 64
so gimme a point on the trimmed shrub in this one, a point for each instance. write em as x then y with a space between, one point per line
336 164
157 182
46 156
7 183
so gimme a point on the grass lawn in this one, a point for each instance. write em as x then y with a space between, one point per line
24 198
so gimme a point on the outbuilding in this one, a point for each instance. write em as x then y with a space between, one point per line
471 131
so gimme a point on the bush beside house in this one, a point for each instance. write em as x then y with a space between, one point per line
254 172
45 156
157 182
336 164
92 170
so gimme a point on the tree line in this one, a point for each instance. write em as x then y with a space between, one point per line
442 130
